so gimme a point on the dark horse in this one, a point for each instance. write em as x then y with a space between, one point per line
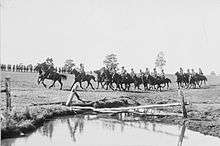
197 79
183 80
137 82
100 78
154 82
51 76
166 82
80 78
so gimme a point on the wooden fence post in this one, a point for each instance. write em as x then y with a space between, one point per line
8 94
181 95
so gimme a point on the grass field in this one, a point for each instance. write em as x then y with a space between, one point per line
205 101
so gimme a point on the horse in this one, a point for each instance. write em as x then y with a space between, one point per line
182 79
100 78
201 78
127 80
51 76
166 82
107 78
118 80
80 78
154 81
137 82
145 82
197 79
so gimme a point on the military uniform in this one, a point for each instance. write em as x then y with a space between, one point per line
155 73
132 73
147 72
162 75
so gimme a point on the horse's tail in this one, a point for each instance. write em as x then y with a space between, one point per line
63 77
169 81
205 78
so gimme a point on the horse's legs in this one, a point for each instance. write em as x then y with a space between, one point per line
44 83
102 84
73 85
97 85
87 84
52 84
91 85
61 84
80 84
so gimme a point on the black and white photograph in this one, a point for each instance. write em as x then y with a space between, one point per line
110 72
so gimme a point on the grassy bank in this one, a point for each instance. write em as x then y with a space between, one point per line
26 120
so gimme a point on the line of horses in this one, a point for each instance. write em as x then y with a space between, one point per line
115 81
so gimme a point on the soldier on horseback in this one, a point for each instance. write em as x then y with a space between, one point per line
155 73
82 71
188 72
193 73
147 73
48 68
200 71
181 71
123 71
162 75
141 74
132 73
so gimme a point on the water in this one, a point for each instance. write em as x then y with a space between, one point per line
123 130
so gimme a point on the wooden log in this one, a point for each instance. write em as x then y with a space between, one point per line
144 107
72 93
125 109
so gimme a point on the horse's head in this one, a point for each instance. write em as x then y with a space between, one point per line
75 72
177 73
93 78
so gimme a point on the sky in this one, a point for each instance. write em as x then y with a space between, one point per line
187 31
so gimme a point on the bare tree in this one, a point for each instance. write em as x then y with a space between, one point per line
111 61
160 60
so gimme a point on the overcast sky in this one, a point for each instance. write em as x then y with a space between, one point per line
188 31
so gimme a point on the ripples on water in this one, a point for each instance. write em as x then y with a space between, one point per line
126 130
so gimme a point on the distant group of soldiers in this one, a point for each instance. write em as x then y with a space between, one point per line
17 68
191 73
147 72
27 68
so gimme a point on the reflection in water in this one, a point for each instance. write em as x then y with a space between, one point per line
47 129
121 129
183 129
76 123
